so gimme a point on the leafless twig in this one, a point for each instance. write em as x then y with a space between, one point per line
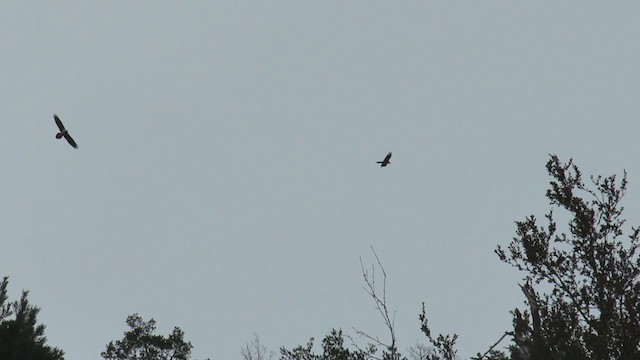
256 351
493 346
380 300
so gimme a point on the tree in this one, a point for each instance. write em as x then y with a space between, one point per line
20 336
379 296
581 284
140 343
443 345
256 351
332 349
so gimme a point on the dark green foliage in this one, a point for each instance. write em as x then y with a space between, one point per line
443 345
590 305
140 343
332 349
20 336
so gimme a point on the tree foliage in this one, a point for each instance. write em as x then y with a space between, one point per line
20 335
141 343
332 349
443 346
581 284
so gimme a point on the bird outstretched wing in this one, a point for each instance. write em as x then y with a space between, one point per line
70 140
58 122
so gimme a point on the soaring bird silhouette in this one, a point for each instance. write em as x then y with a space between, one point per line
64 132
386 161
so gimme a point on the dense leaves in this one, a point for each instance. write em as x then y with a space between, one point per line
581 284
140 343
20 335
332 349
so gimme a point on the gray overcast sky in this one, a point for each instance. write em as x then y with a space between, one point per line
226 179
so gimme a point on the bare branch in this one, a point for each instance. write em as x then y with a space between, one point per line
371 353
380 300
256 351
494 345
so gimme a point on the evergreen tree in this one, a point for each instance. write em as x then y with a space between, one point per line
140 343
20 335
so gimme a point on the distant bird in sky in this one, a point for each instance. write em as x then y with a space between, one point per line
386 161
64 132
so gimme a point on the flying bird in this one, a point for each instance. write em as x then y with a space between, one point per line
386 161
64 132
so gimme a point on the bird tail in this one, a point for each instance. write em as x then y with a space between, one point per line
377 162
